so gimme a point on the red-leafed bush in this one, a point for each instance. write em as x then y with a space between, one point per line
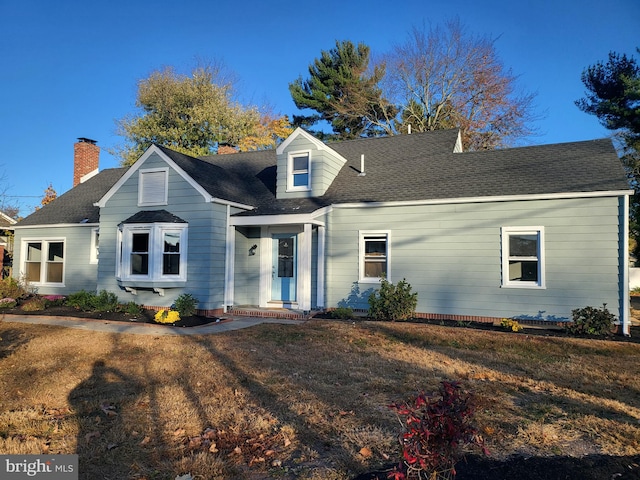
436 428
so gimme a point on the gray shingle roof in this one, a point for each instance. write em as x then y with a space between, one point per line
154 216
76 205
420 166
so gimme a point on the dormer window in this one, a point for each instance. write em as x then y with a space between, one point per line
299 171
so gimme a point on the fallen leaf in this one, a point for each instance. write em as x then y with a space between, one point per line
178 432
186 476
268 453
91 435
213 448
145 440
276 463
111 446
365 452
287 442
237 450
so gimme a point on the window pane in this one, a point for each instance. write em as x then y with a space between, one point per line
300 163
285 257
140 242
171 264
377 248
375 269
34 252
171 242
54 272
139 264
300 179
32 271
523 271
55 252
522 245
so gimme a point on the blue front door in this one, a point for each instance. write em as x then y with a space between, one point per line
283 278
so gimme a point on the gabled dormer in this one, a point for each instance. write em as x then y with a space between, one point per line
306 166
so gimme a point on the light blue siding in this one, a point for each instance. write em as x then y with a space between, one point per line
247 267
206 244
79 273
324 166
451 255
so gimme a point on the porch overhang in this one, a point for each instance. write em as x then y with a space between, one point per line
272 220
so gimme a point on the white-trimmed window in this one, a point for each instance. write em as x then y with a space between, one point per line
43 261
153 186
153 252
523 257
299 171
374 256
94 248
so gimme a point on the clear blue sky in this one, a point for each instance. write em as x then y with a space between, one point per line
69 67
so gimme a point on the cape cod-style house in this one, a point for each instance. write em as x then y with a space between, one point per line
526 233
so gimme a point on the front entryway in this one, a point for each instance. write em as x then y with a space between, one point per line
284 268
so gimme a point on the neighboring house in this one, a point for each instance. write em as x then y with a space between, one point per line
527 233
6 244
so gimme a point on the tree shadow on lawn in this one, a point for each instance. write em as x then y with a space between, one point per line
10 340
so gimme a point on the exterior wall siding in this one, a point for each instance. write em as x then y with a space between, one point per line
324 168
247 268
79 273
205 249
451 255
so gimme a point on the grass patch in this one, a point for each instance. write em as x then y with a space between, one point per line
301 401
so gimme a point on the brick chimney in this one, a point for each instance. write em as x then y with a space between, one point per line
86 156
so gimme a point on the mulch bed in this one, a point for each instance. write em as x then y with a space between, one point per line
146 316
590 467
537 330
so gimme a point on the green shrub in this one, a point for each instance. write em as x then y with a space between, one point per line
186 305
393 302
105 302
8 302
34 304
343 313
81 300
591 321
132 308
12 288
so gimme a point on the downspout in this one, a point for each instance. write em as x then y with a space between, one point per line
229 265
320 267
626 307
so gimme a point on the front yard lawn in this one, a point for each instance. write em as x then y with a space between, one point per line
304 401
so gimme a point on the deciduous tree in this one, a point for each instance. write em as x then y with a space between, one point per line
191 114
447 77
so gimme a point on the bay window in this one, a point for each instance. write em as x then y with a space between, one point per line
152 252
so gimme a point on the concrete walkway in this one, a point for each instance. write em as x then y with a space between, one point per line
109 326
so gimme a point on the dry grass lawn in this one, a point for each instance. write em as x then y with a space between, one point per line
305 401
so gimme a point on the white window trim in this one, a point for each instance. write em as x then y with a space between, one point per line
291 172
94 251
156 234
504 235
141 193
369 234
44 241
